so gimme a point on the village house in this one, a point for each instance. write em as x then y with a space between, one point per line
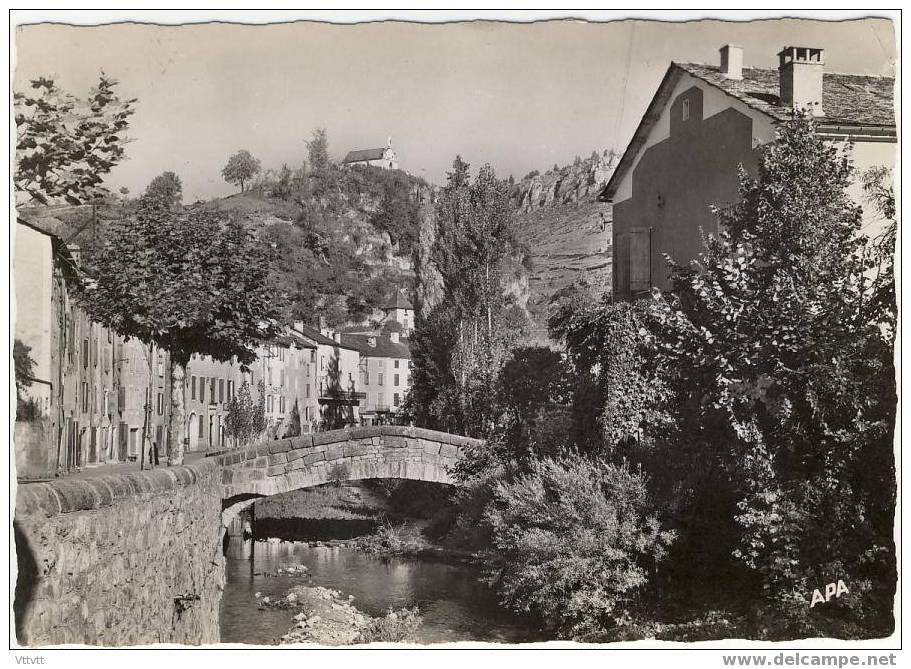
400 310
705 121
385 158
336 370
384 372
89 386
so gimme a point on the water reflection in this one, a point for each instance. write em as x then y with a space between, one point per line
455 607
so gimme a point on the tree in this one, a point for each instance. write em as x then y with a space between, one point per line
782 368
294 424
318 150
188 281
461 344
24 367
245 419
166 189
65 145
241 168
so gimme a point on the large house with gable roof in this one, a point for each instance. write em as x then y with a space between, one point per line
704 122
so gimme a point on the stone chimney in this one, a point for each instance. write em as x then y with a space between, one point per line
299 326
394 337
800 78
732 61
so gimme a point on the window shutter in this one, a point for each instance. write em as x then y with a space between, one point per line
639 260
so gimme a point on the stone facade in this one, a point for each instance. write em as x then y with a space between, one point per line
137 558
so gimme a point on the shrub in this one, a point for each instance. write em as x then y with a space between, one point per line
578 543
394 627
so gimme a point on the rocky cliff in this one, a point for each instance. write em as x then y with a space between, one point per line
566 229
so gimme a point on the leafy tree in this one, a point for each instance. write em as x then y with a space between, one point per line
245 419
577 541
781 364
459 347
166 189
241 168
294 423
65 145
318 150
189 282
284 185
27 409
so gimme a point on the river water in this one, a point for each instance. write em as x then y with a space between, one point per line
453 604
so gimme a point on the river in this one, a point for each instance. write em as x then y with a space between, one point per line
453 604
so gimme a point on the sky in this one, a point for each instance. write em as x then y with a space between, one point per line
517 96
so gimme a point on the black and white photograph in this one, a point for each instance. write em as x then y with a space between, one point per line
426 330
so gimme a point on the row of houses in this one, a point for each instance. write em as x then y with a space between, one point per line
95 394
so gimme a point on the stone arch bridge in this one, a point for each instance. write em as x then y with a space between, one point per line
136 558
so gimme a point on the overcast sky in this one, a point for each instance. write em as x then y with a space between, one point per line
519 96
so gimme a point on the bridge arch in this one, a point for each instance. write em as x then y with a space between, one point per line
383 451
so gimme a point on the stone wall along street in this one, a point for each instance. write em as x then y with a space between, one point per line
120 560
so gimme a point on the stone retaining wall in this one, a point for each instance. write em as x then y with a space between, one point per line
120 560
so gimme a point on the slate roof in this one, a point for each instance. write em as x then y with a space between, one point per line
847 99
364 154
316 336
398 301
384 348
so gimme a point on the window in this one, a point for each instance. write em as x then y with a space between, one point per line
366 378
281 404
192 387
85 395
230 390
686 110
160 404
322 363
85 353
95 352
269 376
395 380
395 399
212 390
202 389
396 364
308 391
160 365
221 390
380 379
202 427
312 355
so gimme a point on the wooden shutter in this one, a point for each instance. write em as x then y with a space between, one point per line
640 253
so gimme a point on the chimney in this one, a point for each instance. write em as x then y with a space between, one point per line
732 61
299 326
800 78
337 336
394 337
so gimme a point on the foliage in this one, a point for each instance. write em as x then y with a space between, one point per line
394 627
27 409
459 347
318 150
64 145
390 540
398 212
577 541
782 367
294 423
188 281
166 189
245 419
241 168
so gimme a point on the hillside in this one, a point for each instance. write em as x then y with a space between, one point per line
566 229
345 237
